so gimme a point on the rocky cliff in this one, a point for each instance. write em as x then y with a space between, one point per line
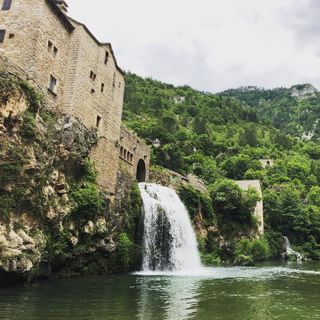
53 217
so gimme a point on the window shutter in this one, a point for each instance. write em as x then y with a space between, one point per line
2 35
6 4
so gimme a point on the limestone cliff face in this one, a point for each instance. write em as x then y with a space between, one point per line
53 217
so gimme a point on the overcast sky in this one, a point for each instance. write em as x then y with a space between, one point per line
210 45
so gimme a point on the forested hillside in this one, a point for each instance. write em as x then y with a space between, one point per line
294 110
218 138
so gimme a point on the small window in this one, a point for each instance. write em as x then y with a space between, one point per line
2 35
119 85
102 87
114 80
6 4
106 58
55 51
53 84
11 35
121 151
98 121
50 45
92 76
131 158
93 91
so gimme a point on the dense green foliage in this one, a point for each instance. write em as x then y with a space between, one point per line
233 206
197 202
294 110
218 137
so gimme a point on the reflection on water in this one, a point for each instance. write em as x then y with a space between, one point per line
177 296
218 293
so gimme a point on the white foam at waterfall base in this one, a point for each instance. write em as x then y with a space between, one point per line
183 256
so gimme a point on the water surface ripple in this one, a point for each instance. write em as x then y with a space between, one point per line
262 293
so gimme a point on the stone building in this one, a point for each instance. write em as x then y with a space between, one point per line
77 74
245 185
134 154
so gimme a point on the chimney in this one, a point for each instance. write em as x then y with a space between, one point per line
62 5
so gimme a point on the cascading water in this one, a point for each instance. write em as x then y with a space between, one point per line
169 241
288 251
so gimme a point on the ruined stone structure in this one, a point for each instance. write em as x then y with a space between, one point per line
245 185
77 74
265 163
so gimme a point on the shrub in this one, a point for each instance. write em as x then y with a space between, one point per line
88 201
260 250
210 259
243 247
196 201
257 250
124 250
28 128
9 172
275 241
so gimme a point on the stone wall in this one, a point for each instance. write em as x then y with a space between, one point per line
175 180
30 26
133 153
94 92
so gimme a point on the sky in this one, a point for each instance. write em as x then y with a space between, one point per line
210 45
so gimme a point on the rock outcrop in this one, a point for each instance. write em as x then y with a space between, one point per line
54 219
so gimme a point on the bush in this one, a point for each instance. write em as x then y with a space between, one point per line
9 172
243 247
257 250
210 259
233 206
196 201
260 250
243 260
28 129
124 250
275 241
88 200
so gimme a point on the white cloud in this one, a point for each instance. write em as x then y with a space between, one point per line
211 44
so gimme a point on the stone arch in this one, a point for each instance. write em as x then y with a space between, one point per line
141 171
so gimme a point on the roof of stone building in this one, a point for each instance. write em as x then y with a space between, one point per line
98 42
246 184
67 22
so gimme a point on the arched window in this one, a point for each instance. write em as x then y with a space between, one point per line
141 171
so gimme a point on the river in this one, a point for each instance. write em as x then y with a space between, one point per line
266 292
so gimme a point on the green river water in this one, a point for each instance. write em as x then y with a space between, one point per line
266 292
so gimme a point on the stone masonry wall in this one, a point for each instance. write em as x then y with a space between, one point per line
132 150
94 93
30 26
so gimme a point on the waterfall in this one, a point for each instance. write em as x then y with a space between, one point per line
169 242
288 251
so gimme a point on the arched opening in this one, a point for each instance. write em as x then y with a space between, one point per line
141 171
